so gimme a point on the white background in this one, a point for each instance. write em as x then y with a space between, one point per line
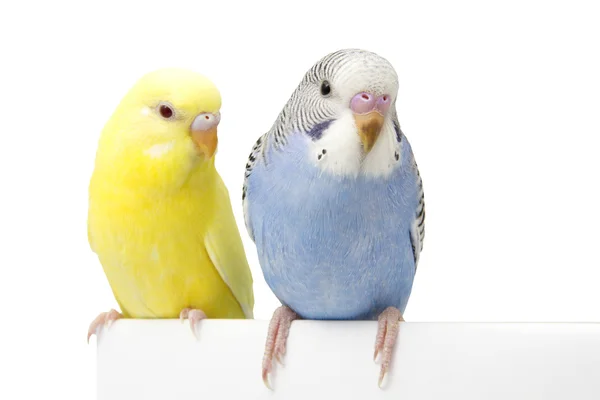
500 101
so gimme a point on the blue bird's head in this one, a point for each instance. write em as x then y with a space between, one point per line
345 105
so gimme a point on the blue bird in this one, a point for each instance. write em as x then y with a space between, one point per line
334 203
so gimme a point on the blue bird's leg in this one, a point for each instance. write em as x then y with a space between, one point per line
279 328
387 331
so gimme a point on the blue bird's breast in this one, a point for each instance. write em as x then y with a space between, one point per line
332 247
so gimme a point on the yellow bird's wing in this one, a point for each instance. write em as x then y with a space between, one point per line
226 251
89 235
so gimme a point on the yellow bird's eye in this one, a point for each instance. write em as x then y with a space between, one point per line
166 111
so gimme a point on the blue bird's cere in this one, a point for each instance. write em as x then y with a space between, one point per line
334 202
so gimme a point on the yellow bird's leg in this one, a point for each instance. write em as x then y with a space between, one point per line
194 315
387 331
105 318
279 329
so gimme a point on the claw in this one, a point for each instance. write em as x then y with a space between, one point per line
195 316
265 378
279 358
106 319
381 376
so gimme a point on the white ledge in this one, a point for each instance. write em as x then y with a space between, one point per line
161 359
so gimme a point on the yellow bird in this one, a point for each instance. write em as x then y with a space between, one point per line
160 217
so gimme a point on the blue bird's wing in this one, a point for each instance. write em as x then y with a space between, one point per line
417 231
255 156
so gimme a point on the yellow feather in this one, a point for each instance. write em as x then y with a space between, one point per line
160 217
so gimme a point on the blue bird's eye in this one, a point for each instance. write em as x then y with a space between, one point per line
325 88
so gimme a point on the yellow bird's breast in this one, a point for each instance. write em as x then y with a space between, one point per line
153 254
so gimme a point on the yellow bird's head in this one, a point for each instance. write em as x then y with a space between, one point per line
163 132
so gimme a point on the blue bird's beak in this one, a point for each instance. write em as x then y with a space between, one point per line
368 126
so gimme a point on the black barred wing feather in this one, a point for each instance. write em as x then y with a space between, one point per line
255 155
417 233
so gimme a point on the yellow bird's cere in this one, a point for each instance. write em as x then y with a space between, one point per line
160 217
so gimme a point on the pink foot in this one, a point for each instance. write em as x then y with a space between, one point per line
387 331
279 328
194 315
105 318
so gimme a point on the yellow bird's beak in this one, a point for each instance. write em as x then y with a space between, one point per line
369 126
204 133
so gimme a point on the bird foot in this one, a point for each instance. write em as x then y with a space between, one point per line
279 328
387 331
194 315
106 319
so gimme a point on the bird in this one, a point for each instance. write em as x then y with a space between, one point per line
160 219
333 201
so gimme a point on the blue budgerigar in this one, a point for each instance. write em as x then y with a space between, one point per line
334 202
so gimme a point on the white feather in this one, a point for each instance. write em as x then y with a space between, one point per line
344 152
343 148
159 150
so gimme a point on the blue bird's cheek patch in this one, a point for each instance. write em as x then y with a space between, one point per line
317 131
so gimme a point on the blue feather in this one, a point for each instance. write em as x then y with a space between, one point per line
333 247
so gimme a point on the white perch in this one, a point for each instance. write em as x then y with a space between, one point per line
161 360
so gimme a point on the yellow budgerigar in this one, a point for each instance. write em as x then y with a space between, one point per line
160 217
